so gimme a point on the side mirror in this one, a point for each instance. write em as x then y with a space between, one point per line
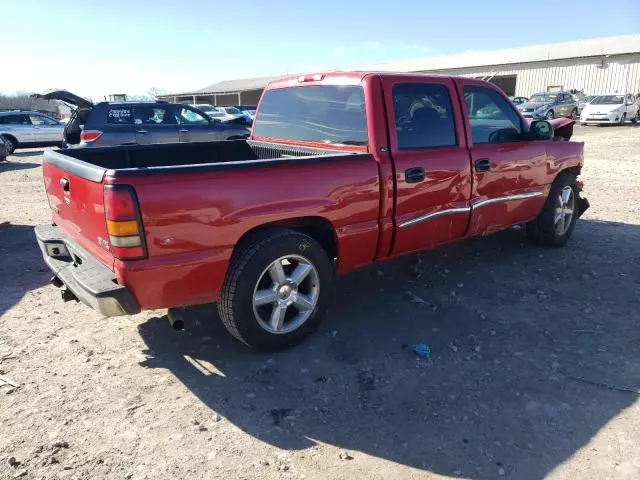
541 130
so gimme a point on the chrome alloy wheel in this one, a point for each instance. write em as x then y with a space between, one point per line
286 294
565 209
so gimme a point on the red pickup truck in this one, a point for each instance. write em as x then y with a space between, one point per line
342 169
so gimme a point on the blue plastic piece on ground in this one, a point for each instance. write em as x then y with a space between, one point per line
422 350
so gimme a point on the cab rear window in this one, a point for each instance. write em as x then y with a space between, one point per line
331 114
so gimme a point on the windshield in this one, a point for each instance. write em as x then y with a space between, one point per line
543 97
608 100
319 113
232 110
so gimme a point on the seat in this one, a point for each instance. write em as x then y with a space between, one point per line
429 129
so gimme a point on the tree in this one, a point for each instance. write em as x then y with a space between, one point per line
23 101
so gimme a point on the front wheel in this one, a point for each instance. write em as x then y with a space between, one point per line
636 118
623 119
574 114
550 115
11 144
276 290
555 224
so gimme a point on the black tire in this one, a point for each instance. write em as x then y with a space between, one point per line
542 230
550 115
635 119
623 119
574 114
11 142
248 264
3 159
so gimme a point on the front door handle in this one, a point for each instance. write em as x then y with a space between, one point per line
483 165
184 130
414 175
142 131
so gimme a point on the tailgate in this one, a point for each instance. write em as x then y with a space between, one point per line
75 192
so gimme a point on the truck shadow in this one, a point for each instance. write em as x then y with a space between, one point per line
509 325
9 166
20 264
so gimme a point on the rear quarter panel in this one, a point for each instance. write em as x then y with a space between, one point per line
193 220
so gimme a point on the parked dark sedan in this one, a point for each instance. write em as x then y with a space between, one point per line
550 105
129 123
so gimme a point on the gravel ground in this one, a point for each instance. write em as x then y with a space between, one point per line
512 328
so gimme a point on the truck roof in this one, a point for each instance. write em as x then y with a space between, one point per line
337 77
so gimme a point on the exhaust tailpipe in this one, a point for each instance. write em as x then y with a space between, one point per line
176 318
67 295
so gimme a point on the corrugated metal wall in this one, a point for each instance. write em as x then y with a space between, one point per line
621 73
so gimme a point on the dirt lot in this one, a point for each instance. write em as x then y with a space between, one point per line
510 326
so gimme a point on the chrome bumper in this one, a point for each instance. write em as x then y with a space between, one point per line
90 281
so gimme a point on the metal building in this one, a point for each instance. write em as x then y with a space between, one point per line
595 66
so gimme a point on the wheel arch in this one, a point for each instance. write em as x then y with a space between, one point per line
11 137
573 170
318 228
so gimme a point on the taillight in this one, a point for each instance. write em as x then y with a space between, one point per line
90 135
126 234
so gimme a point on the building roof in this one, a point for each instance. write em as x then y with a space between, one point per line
230 86
593 47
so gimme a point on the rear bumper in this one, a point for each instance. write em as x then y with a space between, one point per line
89 280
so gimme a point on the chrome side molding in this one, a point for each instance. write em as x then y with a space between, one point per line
431 216
456 211
508 198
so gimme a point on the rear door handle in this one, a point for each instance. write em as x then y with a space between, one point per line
184 130
142 131
483 165
414 175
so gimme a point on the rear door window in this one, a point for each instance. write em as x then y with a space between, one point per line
490 113
153 115
42 120
331 114
188 116
120 116
423 116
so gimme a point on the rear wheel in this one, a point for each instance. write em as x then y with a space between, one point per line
276 290
11 142
554 225
550 115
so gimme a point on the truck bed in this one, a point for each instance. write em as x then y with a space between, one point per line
95 162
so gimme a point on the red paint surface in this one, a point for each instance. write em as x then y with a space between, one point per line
193 221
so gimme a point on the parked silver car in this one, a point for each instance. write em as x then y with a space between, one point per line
29 129
549 105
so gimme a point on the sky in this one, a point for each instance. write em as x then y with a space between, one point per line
94 48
